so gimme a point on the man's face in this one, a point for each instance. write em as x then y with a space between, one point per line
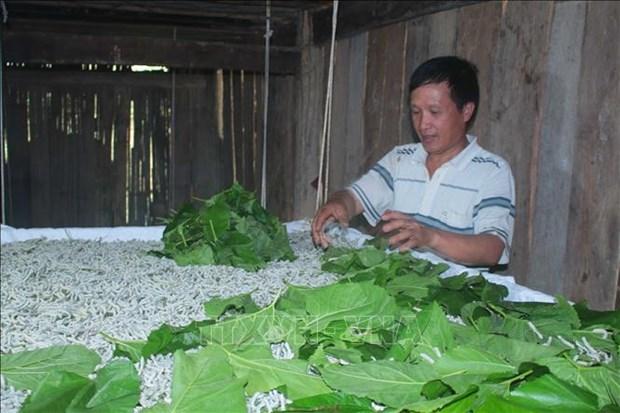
437 120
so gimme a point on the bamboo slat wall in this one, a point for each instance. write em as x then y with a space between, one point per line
105 149
550 76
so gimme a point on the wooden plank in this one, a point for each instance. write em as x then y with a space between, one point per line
39 161
556 149
257 138
147 162
205 167
18 159
26 78
133 189
478 43
239 127
57 208
105 175
228 106
182 149
245 121
167 11
417 43
310 106
71 164
347 132
45 48
383 105
85 140
443 33
592 268
231 31
222 158
519 64
61 197
159 207
357 16
426 37
121 150
281 147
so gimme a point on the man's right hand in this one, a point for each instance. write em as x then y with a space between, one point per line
341 207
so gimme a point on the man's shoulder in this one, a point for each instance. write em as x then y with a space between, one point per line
484 159
407 149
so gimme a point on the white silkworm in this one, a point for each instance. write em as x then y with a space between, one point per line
566 342
535 330
282 351
436 351
266 402
602 332
66 292
427 358
377 407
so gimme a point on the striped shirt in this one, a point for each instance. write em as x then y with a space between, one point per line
473 193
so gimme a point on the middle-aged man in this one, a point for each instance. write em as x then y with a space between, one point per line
445 194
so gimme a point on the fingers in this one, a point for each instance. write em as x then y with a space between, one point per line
399 224
324 217
409 245
401 240
395 220
318 223
323 239
409 233
390 215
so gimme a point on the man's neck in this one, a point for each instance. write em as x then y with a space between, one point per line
436 160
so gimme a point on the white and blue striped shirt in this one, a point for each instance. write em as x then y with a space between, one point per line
473 193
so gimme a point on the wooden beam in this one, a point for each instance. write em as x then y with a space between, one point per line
235 31
171 9
41 48
358 16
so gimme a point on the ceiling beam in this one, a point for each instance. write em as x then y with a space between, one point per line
72 49
357 16
215 31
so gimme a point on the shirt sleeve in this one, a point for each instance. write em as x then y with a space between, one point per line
375 189
494 212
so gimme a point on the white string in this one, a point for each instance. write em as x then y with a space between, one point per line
268 33
323 187
5 13
2 193
171 160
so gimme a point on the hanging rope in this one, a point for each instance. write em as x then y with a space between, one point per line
268 33
3 201
323 183
5 13
173 126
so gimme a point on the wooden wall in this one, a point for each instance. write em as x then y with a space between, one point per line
550 76
90 148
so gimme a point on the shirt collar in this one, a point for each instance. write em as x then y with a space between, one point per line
460 161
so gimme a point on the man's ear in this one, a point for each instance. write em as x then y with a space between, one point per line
468 111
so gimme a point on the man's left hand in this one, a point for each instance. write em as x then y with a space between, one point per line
407 232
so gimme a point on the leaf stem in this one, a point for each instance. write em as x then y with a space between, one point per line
519 377
212 230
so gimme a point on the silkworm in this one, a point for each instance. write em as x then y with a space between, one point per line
65 292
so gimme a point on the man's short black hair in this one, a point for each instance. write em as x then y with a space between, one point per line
461 75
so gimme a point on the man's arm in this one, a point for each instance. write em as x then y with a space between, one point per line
341 207
476 250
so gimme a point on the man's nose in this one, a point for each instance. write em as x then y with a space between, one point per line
424 121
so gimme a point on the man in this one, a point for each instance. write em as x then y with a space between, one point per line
445 194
